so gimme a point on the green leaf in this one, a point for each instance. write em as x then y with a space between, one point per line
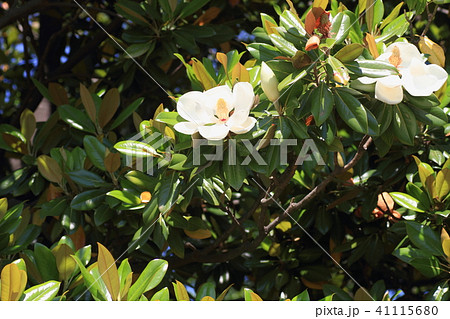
152 275
75 118
192 7
234 172
89 280
55 207
206 289
407 201
340 27
88 200
141 180
419 194
352 112
290 21
95 151
262 51
405 126
424 238
45 262
87 178
428 265
392 16
371 68
304 296
161 295
283 45
321 103
136 149
124 196
349 52
42 89
168 192
249 295
170 118
433 116
43 292
384 115
126 113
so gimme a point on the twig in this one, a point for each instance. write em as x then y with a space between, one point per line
430 19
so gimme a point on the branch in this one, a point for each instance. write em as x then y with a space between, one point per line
430 17
226 255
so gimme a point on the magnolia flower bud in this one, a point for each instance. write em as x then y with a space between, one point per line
269 83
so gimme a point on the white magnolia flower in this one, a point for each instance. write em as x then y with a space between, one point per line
217 111
418 78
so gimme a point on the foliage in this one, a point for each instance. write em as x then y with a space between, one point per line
235 229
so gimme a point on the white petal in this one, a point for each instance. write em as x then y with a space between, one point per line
367 80
408 52
246 126
422 80
219 92
243 96
214 132
237 118
192 107
188 128
389 90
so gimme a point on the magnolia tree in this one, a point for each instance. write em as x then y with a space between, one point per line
305 167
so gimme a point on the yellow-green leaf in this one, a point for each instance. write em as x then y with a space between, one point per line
27 124
49 168
58 94
202 75
349 52
126 287
64 262
3 206
88 103
392 16
320 3
198 234
180 291
108 271
156 124
15 143
446 247
109 106
207 298
362 5
11 283
223 59
224 293
270 27
443 183
437 55
255 297
369 14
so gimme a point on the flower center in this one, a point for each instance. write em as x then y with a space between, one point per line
395 59
222 111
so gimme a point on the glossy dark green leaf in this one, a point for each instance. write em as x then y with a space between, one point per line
168 193
126 113
424 238
125 196
262 51
89 281
206 289
404 124
95 151
340 27
45 262
433 116
234 172
321 103
352 111
88 200
192 7
87 178
55 207
76 118
407 201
